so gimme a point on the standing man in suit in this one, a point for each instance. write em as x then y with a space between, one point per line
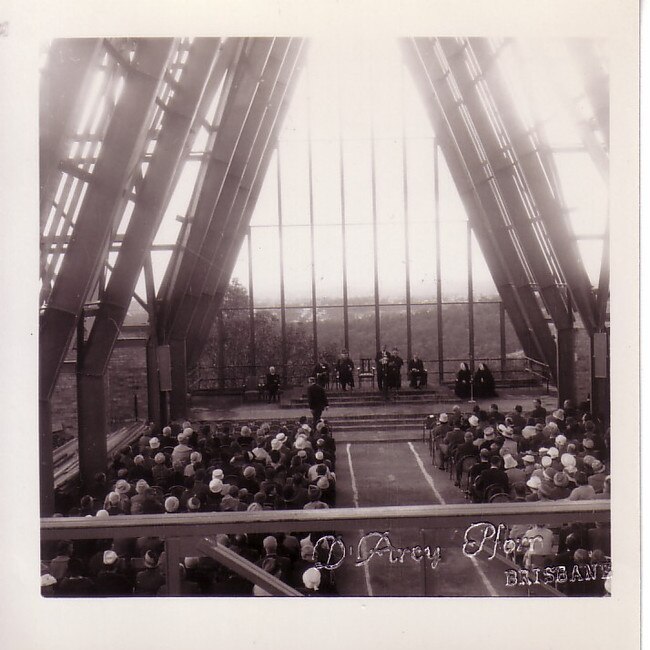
395 370
383 359
272 384
317 399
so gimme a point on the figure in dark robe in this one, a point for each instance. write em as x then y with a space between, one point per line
484 382
463 386
272 385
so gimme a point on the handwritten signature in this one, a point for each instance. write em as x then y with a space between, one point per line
333 551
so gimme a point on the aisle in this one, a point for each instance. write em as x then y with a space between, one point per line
400 473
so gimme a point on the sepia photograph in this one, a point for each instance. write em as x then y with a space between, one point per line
327 313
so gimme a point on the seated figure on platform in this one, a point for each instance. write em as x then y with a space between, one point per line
272 385
416 372
484 382
345 370
462 388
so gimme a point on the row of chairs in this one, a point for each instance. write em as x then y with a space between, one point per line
447 460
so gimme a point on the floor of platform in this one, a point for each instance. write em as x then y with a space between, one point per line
232 408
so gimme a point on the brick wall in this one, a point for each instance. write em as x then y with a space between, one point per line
126 371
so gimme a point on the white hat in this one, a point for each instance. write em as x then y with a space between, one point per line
102 514
319 455
154 443
509 462
110 557
122 486
47 580
443 417
528 432
473 420
528 458
534 482
217 473
216 485
311 578
568 460
547 461
560 440
171 504
195 457
553 452
306 427
281 437
543 450
159 458
167 431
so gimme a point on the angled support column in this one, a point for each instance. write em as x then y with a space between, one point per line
219 223
244 203
83 260
67 73
174 139
506 268
499 171
560 239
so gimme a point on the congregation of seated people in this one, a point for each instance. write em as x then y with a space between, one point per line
525 457
207 469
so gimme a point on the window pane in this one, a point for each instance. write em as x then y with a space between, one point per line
424 332
358 181
362 333
421 197
389 181
329 261
455 328
326 181
422 261
268 340
360 269
392 262
487 333
393 328
299 345
294 170
330 330
484 288
266 207
453 259
297 265
266 266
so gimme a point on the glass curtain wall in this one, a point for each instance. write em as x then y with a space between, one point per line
359 237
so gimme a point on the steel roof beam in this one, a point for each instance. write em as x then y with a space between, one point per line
173 141
83 260
67 73
220 223
503 169
502 258
596 82
236 108
545 197
242 208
